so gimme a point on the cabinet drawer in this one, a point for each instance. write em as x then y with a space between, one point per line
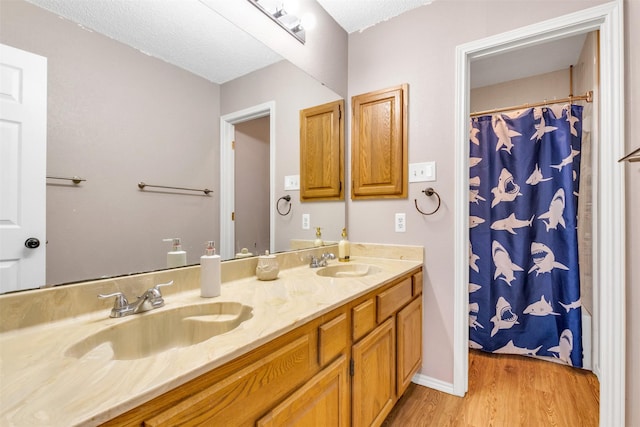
417 283
364 319
394 298
332 339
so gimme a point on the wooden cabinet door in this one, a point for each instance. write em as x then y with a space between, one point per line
322 152
323 401
373 382
379 144
409 330
243 396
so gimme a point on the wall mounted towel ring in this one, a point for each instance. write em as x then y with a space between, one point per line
428 192
287 198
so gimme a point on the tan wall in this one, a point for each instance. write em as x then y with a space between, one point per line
116 117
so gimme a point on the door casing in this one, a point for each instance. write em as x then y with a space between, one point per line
227 170
609 190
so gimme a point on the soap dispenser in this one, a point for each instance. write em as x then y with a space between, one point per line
318 242
344 247
176 257
210 277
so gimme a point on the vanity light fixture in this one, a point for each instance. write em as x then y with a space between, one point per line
275 10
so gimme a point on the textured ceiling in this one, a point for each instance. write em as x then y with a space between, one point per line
356 15
185 33
190 35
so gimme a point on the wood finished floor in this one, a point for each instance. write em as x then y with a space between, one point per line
505 390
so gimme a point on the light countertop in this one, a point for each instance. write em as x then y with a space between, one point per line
41 386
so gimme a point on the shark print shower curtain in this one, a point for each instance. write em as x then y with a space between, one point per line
524 290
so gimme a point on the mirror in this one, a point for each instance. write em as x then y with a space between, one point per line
118 116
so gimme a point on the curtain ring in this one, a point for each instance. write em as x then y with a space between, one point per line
286 198
428 192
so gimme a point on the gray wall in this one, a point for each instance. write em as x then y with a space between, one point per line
292 90
632 133
116 117
323 56
551 85
428 37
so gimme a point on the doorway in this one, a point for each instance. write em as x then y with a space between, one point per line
609 260
228 124
252 215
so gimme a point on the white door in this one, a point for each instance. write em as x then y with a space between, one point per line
23 161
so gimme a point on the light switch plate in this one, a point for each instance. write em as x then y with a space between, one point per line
422 172
292 182
306 221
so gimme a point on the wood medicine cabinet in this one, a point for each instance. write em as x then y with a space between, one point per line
322 152
379 157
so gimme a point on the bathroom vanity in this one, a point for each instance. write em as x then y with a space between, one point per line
338 347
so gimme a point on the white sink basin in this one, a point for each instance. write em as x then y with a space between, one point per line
348 270
143 335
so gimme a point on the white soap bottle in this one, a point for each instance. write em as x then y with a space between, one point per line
210 278
176 257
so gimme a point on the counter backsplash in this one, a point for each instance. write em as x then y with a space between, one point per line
30 308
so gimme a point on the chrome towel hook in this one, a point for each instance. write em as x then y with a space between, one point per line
286 198
428 192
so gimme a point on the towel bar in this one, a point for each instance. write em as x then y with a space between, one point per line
142 185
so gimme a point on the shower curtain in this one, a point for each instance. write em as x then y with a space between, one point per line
524 290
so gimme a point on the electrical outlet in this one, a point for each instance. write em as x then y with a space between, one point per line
401 223
306 221
292 182
421 172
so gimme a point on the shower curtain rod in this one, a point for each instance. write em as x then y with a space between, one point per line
586 97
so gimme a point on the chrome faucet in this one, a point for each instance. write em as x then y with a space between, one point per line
150 300
320 261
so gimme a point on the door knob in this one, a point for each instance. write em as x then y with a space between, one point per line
32 243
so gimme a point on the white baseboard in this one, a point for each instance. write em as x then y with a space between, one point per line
433 383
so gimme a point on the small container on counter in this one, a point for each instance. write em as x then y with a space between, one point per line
267 268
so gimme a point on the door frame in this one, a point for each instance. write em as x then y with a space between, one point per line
227 173
609 190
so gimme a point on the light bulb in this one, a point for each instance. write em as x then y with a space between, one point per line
308 21
291 6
